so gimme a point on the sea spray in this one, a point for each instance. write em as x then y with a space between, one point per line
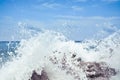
38 51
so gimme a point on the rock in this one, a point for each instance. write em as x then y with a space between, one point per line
73 55
98 71
36 76
76 66
92 70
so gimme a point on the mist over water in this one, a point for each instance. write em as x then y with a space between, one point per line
36 48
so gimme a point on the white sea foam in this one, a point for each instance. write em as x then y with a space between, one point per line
34 54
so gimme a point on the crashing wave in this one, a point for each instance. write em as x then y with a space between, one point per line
50 56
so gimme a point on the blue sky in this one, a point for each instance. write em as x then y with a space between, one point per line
76 19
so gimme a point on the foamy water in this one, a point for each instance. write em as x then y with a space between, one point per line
35 52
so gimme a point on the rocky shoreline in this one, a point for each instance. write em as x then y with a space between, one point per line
93 70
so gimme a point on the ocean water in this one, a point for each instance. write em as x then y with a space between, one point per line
7 50
19 58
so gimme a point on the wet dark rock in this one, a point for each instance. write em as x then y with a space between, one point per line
36 76
98 71
79 59
93 70
73 55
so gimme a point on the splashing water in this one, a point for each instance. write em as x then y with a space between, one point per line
36 53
